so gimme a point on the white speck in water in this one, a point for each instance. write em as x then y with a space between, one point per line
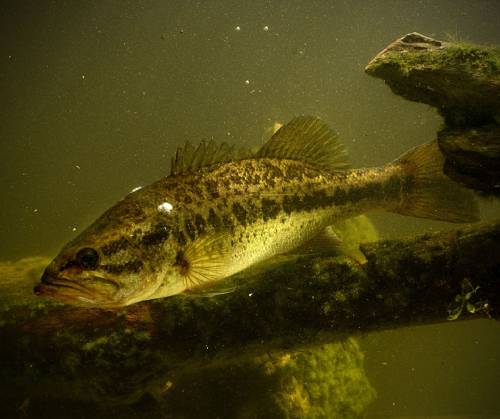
237 28
166 207
35 210
83 76
136 189
265 28
247 82
250 294
73 229
77 166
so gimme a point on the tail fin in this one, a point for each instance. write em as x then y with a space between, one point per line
430 193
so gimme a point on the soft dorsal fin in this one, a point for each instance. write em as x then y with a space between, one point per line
308 139
189 159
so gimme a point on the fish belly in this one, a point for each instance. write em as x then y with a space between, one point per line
263 240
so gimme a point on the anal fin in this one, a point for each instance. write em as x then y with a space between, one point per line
342 238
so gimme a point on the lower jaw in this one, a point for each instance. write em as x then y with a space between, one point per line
66 296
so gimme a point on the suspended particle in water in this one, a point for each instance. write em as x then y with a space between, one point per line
265 28
247 82
237 28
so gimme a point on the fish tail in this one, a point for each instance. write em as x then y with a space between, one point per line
429 193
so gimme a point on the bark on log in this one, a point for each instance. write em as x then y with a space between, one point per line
102 355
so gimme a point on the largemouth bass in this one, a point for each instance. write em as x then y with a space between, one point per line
221 211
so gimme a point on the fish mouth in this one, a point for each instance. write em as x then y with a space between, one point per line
71 291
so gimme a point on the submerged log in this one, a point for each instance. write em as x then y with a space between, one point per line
309 300
473 157
463 82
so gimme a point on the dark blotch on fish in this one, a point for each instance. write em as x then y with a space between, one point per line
212 189
213 219
240 213
181 238
372 189
340 197
190 230
315 200
393 186
227 222
200 223
159 234
114 246
132 267
355 193
291 203
270 209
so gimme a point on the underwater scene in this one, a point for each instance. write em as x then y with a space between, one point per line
267 209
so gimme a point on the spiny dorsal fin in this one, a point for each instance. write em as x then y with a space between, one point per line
189 159
308 139
304 138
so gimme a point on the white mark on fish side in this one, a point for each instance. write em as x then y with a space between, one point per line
165 207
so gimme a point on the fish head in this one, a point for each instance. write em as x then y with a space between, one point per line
100 269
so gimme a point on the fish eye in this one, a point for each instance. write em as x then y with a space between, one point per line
87 258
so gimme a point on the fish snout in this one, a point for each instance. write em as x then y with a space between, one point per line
45 277
42 287
38 289
43 290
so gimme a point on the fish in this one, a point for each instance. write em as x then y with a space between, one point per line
223 209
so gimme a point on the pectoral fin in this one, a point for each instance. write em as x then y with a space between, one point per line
205 260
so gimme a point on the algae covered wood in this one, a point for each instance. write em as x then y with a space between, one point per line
122 355
473 157
462 81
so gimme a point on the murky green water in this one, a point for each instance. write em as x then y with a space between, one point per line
97 96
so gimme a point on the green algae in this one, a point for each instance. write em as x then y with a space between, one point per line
461 80
469 58
325 381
